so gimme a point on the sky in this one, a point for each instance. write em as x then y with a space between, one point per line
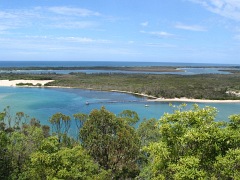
195 31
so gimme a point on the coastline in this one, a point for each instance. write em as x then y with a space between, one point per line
155 99
193 100
13 83
42 83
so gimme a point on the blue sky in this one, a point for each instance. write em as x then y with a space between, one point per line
198 31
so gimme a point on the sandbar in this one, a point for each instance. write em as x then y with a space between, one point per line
8 83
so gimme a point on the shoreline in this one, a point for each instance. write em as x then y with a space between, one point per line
155 99
13 83
193 100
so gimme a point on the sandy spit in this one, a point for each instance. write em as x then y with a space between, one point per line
193 100
14 83
183 99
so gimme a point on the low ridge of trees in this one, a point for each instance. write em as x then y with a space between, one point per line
203 86
182 145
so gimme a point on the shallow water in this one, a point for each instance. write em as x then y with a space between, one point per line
42 103
186 71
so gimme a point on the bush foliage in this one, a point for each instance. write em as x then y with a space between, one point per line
182 145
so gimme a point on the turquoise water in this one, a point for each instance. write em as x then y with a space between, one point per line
42 103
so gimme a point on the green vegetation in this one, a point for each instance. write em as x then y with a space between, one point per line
29 84
143 69
167 86
182 145
210 86
12 76
112 142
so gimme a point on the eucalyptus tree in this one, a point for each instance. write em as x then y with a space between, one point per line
148 131
52 161
80 119
112 142
5 164
60 125
17 141
192 145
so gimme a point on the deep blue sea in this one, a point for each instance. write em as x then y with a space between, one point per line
42 103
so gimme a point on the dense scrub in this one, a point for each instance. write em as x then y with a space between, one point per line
115 68
182 145
213 86
167 86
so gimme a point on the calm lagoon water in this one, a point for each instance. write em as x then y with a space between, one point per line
186 71
42 103
101 63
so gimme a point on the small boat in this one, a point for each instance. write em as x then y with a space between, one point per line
87 103
146 105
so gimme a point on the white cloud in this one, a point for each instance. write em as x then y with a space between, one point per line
237 37
45 47
144 24
131 42
45 43
68 11
13 19
159 45
226 8
74 24
160 34
4 27
48 17
190 27
84 40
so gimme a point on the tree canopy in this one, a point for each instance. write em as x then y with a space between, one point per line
186 144
112 142
194 146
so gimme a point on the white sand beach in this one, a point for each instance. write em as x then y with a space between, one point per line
193 100
183 99
15 82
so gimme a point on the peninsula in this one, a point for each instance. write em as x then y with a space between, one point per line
192 88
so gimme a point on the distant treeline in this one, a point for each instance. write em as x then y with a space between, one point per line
125 68
143 69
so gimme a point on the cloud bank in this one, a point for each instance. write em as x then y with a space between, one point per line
226 8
